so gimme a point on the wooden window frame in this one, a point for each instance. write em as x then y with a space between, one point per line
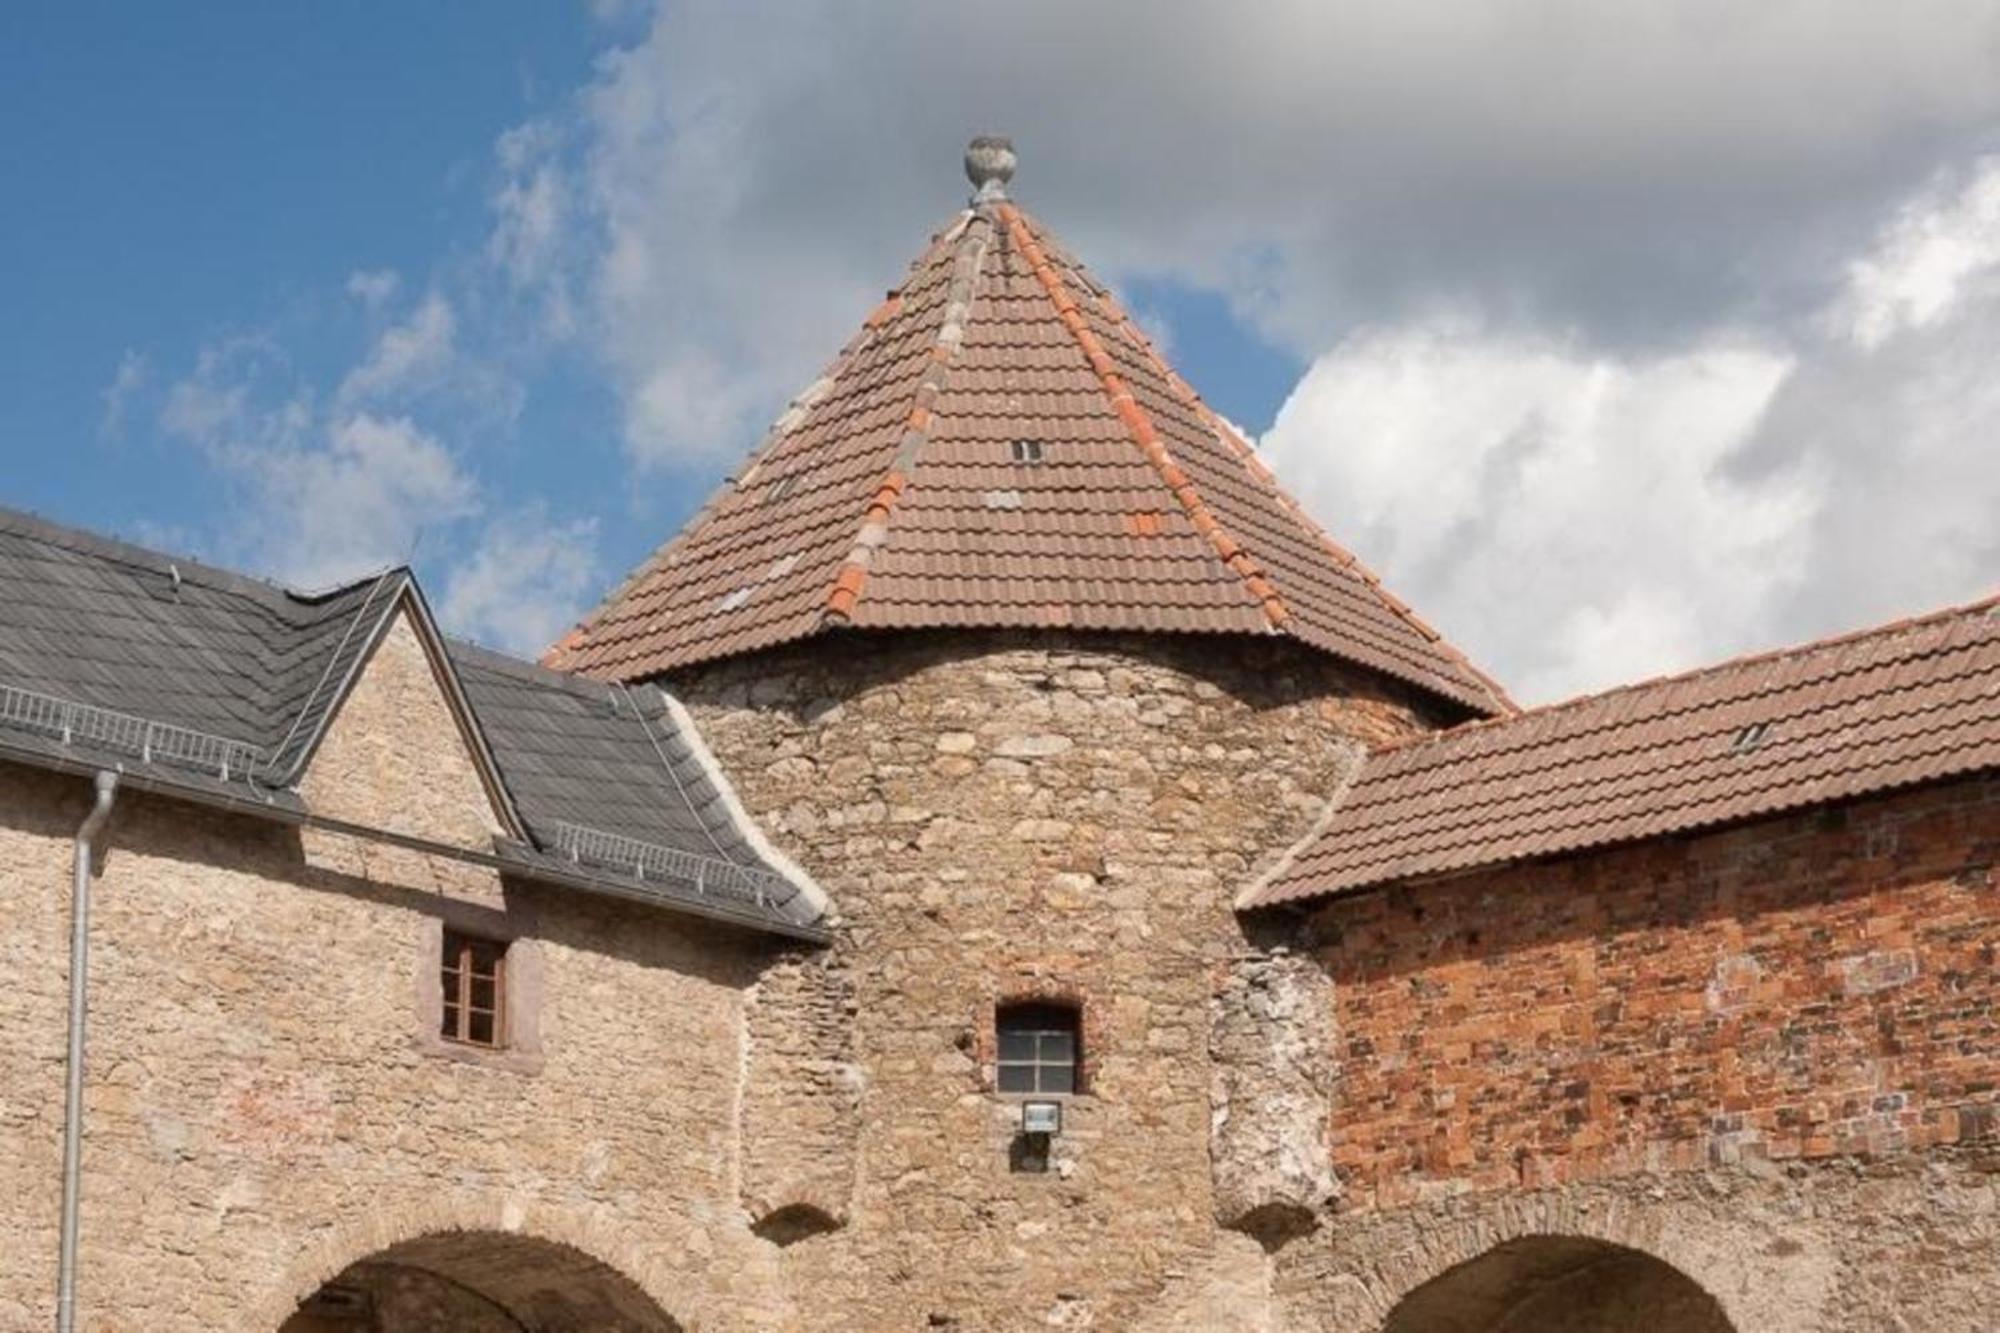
458 971
1044 1023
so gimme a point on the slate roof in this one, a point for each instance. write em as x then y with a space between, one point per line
610 775
1905 703
108 625
208 684
999 446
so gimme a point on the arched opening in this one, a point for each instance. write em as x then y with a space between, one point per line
1559 1284
479 1282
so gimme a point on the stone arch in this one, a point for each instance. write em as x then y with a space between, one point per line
1559 1284
479 1282
554 1271
1757 1280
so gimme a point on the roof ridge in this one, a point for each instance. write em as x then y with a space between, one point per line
485 658
1591 793
1140 426
788 421
1261 472
974 237
117 550
1988 603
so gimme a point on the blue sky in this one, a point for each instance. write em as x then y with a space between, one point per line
1613 354
202 177
197 175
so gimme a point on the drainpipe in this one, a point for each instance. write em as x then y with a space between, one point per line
79 962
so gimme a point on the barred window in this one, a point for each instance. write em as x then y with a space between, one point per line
1041 1048
474 978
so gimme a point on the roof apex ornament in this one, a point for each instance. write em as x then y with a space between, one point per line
989 165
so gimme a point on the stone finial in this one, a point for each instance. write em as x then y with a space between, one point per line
989 165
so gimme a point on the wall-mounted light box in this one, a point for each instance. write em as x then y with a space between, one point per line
1041 1117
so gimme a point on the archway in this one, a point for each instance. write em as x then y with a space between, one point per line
1559 1284
479 1282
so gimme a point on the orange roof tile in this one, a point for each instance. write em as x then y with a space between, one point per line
1909 702
1000 446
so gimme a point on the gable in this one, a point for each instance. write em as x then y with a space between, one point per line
397 755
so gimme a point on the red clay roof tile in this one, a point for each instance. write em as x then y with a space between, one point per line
1000 446
1908 702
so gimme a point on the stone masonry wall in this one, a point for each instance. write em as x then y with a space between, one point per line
1009 817
1903 1244
268 1101
1798 1017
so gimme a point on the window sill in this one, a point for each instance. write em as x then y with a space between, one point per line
507 1059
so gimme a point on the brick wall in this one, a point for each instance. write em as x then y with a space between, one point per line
1805 988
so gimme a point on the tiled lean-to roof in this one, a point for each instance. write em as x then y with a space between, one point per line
999 446
1905 703
206 684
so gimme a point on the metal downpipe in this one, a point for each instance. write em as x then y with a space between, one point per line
79 962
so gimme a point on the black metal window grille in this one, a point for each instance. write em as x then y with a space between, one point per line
1040 1048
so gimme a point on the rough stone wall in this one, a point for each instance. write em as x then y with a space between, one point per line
1007 817
801 1096
1783 1035
1906 1244
367 771
267 1103
1272 1045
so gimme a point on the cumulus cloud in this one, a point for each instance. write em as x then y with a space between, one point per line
374 288
327 486
532 204
410 355
1578 517
1565 515
361 499
318 497
134 372
1639 171
525 582
1939 246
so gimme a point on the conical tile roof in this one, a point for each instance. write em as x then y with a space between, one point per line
1000 446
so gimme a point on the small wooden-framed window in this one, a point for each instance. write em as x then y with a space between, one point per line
473 976
1040 1048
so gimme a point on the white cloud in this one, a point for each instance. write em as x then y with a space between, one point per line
525 583
530 202
1924 262
414 354
317 497
365 498
1567 517
1640 171
133 374
1577 517
374 288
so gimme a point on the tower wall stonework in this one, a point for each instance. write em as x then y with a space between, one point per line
1007 816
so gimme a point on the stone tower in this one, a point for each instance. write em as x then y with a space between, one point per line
1024 656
